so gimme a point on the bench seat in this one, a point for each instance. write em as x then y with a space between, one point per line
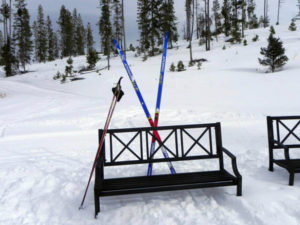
131 185
290 164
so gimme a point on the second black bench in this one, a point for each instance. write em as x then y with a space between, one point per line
283 134
183 143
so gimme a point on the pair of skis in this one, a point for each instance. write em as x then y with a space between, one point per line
156 136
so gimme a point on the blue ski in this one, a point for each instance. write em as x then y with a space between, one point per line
158 100
141 99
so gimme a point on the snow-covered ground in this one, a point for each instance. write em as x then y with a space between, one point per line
48 136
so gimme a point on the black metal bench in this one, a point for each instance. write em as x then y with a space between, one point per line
282 135
188 142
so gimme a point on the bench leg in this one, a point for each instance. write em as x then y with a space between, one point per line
239 188
271 166
97 204
291 181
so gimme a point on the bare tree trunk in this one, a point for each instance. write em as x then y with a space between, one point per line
188 17
10 18
4 23
192 30
123 26
208 27
243 18
278 12
265 12
197 23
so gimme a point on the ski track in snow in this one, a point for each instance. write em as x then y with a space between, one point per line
48 138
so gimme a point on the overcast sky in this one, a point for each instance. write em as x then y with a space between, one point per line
90 12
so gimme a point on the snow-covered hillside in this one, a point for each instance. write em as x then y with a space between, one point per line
48 136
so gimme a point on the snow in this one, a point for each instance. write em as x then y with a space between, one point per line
48 136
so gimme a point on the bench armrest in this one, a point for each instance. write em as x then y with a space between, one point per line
286 149
233 162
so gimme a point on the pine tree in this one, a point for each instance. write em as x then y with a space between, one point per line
180 66
172 67
50 40
168 21
274 56
56 47
143 25
117 21
66 32
40 36
226 13
22 33
7 53
79 36
252 18
155 34
105 30
9 58
89 37
92 58
272 30
235 20
217 17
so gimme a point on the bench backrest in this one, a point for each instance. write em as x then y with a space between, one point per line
184 142
283 131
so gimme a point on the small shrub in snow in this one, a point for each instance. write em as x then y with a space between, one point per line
199 64
255 38
191 63
292 26
272 30
274 56
131 48
92 58
180 66
172 67
69 67
145 57
245 42
224 47
57 76
63 78
2 95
